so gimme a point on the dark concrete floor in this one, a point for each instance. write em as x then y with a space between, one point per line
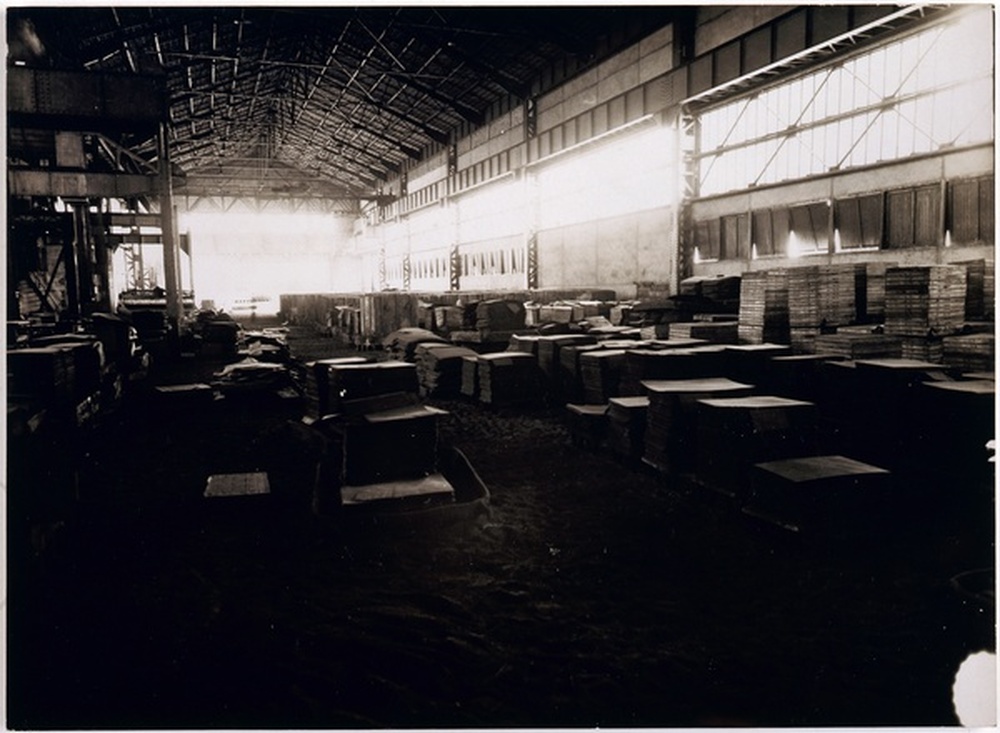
594 594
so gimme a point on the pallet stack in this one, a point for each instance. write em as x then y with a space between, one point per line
569 379
925 300
548 354
398 444
974 352
626 437
764 307
714 332
670 421
439 369
838 285
681 363
859 345
734 434
351 384
875 291
402 343
804 313
470 377
587 425
509 379
600 373
317 383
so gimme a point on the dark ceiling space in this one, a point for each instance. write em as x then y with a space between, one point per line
333 100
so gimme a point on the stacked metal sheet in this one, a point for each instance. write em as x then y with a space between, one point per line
569 380
975 281
875 290
923 348
587 424
693 363
448 318
856 345
352 382
670 421
600 373
509 379
402 343
555 314
439 369
626 438
526 343
960 421
548 352
838 294
317 383
715 332
500 315
764 307
925 300
751 362
46 373
390 445
975 352
828 494
804 297
470 377
798 376
734 434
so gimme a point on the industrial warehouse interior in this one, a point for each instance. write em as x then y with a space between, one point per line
460 367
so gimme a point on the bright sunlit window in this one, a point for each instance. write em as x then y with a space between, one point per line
931 90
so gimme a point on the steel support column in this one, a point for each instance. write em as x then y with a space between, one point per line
168 223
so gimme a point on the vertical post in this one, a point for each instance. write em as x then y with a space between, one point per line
168 222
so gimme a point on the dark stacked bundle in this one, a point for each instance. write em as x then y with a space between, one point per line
975 281
402 343
587 424
693 363
751 362
353 383
764 307
448 318
804 318
46 374
250 376
555 314
527 344
219 336
88 359
509 379
317 383
924 300
856 345
830 494
714 332
185 399
926 348
796 376
499 315
439 370
974 352
627 427
734 434
600 372
391 445
548 353
470 377
875 291
724 291
569 379
959 420
838 294
671 418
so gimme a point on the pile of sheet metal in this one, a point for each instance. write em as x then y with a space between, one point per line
734 434
351 384
250 376
500 315
600 373
685 363
439 369
46 374
402 343
859 345
626 436
959 421
470 377
509 379
316 386
838 293
974 352
875 291
671 419
825 494
798 376
528 343
395 444
975 289
587 425
751 362
927 300
568 373
764 307
714 332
